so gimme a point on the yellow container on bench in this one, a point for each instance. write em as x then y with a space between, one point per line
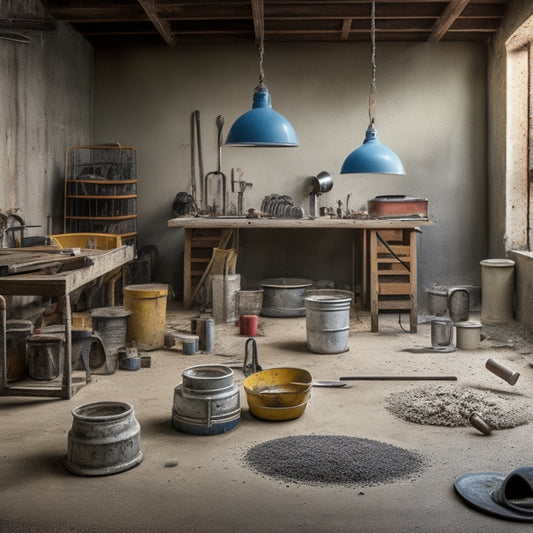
95 241
148 305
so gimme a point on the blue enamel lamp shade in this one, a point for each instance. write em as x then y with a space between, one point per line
261 126
372 157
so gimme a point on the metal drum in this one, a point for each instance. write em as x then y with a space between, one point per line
17 361
45 354
111 323
327 320
207 401
104 439
283 297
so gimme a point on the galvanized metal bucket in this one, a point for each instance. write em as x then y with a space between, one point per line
327 320
207 401
283 297
441 332
104 439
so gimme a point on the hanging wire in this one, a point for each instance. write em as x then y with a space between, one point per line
372 95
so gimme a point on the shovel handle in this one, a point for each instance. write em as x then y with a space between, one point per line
398 378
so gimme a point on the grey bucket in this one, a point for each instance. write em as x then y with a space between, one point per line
45 356
111 324
283 297
207 402
104 439
327 320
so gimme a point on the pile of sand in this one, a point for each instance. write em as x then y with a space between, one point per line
452 406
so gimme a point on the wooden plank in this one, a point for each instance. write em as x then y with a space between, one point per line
398 289
162 26
295 223
398 249
53 264
443 24
395 305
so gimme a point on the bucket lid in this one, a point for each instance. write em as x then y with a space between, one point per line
468 324
497 262
110 312
147 290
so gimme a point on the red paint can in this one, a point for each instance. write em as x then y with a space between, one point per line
248 325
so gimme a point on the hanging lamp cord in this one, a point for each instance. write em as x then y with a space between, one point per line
372 95
259 8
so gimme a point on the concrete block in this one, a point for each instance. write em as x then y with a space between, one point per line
224 289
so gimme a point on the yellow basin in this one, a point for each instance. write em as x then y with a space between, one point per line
277 413
272 395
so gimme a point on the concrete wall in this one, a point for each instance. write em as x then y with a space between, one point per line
45 106
501 236
431 110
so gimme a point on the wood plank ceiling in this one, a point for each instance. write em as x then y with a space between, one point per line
129 22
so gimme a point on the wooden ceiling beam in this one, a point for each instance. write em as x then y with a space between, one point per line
450 15
162 26
346 27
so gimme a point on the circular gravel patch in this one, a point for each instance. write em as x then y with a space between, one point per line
452 406
326 459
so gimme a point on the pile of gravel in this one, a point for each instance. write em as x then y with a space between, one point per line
328 459
452 406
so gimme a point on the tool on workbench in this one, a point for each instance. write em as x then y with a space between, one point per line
217 174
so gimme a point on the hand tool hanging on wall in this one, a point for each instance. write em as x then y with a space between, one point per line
218 173
196 148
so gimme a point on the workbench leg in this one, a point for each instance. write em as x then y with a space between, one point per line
364 272
66 388
413 319
187 275
374 285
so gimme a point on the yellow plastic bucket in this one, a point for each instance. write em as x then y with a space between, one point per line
148 305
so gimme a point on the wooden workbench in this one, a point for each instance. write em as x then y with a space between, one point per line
369 227
47 281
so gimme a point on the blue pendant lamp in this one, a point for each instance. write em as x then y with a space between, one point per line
372 157
261 126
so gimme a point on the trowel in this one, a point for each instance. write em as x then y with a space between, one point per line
323 383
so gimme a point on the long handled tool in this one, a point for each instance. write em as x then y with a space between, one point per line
217 173
196 148
398 378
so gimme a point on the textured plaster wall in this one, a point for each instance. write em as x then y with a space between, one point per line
45 106
506 229
431 110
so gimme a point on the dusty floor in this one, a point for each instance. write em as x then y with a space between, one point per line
211 490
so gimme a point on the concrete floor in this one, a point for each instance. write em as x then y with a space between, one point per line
210 490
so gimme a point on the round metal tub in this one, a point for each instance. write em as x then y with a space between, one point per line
104 439
283 297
